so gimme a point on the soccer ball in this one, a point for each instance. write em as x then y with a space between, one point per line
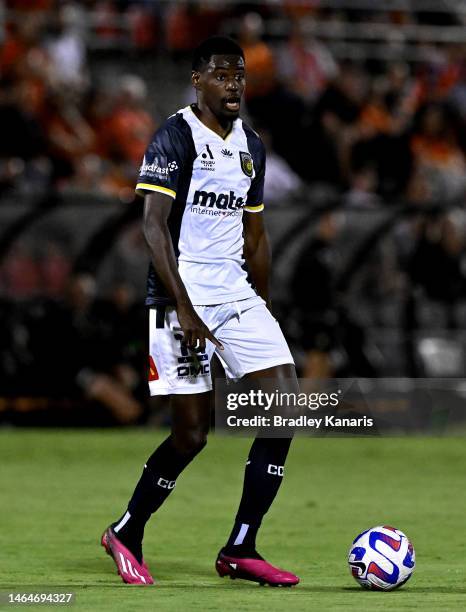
381 558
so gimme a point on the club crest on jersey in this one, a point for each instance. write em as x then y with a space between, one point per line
246 163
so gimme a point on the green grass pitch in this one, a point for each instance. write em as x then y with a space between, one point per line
59 489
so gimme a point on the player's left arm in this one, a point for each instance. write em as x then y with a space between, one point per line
257 253
256 244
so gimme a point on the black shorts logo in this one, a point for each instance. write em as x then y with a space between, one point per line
246 163
190 362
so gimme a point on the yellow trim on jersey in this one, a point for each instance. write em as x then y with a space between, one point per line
149 187
255 209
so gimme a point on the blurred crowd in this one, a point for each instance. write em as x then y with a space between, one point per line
367 131
82 347
372 129
60 127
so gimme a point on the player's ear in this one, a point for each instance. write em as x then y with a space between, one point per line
195 79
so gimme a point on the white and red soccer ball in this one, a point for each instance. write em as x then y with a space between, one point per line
381 558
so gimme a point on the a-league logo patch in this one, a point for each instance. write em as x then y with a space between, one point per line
246 163
153 374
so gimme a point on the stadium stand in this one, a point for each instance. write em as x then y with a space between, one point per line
362 107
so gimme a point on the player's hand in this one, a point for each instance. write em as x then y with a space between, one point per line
195 332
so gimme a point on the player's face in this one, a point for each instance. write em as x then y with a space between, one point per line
221 84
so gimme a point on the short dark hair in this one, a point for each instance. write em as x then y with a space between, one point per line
215 45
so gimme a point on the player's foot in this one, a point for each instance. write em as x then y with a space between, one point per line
256 570
129 568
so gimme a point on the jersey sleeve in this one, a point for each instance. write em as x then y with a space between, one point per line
163 162
254 202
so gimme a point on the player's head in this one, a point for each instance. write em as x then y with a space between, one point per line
218 76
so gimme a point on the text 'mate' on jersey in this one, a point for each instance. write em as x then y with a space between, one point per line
211 180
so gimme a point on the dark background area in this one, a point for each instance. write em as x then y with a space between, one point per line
362 108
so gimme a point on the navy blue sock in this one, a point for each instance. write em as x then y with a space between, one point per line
262 479
157 481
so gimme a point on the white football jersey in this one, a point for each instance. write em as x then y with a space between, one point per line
212 180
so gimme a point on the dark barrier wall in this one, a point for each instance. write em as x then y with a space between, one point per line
358 292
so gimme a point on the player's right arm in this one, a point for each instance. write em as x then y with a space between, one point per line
157 208
167 155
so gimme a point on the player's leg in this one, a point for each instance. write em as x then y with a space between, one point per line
263 473
262 479
170 373
252 339
123 539
190 425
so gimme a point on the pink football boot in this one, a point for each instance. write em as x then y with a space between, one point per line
129 568
257 570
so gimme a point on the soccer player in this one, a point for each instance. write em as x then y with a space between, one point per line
202 178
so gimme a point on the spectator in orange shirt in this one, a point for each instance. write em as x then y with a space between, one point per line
129 126
305 64
69 134
437 154
258 57
265 96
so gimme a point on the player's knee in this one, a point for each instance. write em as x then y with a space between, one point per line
190 440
